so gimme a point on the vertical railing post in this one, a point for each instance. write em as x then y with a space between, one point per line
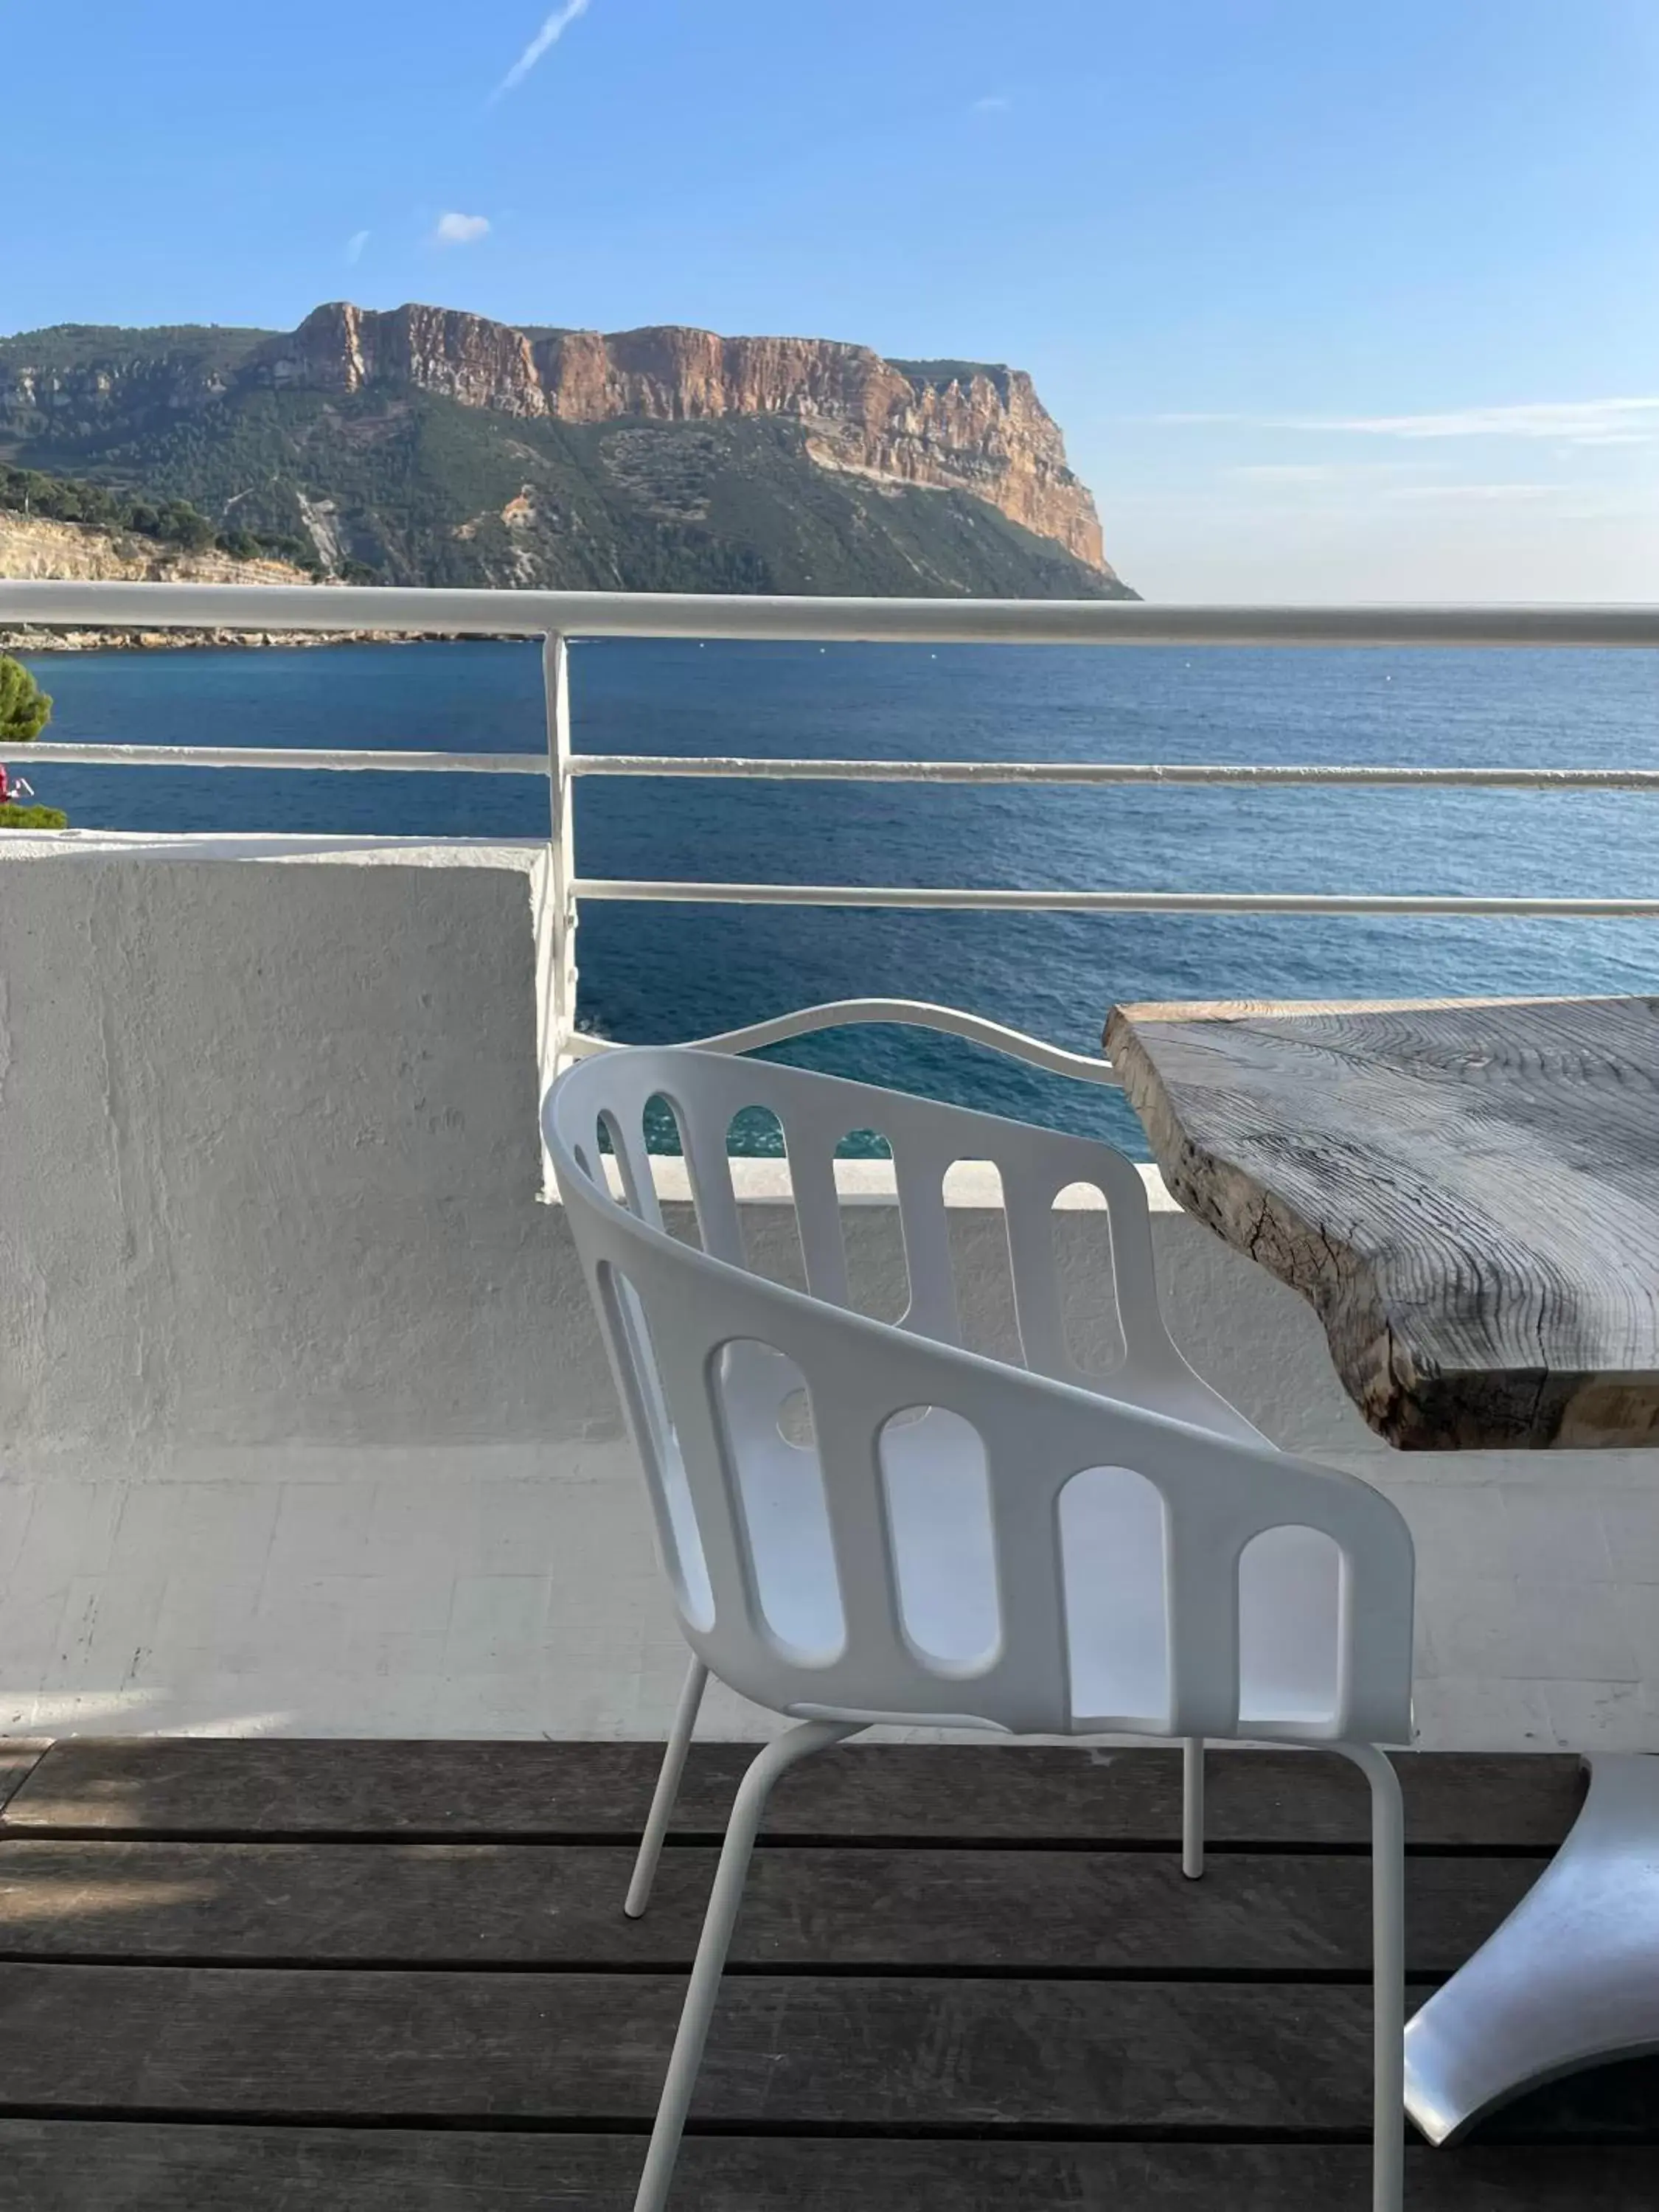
561 903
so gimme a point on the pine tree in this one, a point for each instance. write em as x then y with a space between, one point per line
25 709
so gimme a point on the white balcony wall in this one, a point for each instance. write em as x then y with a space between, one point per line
304 1424
276 1162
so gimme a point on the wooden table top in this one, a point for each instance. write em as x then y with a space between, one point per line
1465 1190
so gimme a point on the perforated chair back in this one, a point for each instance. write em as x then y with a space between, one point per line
864 1521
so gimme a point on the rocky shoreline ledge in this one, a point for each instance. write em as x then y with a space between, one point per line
151 641
38 548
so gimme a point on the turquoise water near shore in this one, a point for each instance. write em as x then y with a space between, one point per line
655 972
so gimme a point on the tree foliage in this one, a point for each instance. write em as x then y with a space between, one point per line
170 521
25 709
32 817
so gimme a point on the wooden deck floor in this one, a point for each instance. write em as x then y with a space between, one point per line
395 1977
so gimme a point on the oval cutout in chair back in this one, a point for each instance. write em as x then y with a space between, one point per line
623 1313
1290 1586
1081 1228
769 1227
779 1489
937 1481
1114 1543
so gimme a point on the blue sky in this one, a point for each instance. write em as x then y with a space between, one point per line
1331 298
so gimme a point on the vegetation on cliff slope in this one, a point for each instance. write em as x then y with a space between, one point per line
422 490
209 348
410 486
173 522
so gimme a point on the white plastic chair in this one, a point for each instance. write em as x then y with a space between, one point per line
960 1541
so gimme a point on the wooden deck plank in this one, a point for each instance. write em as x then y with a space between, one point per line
798 2053
295 1787
19 1757
560 1906
163 2042
123 2166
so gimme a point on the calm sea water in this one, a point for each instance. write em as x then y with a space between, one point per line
664 972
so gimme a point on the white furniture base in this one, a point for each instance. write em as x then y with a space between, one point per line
1570 1980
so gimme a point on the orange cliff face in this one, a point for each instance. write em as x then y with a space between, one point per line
956 426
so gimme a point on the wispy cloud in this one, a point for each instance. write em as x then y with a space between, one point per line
548 35
453 229
1360 485
1477 494
993 103
1570 422
1566 422
1295 474
355 245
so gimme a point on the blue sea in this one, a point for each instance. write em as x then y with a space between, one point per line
660 972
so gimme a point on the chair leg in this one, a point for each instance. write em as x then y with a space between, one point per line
703 1988
1388 1974
1192 1806
667 1788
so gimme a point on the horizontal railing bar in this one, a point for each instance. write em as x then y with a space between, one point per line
283 756
357 607
1245 777
1264 776
1038 902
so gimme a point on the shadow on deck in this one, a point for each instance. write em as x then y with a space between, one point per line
396 1977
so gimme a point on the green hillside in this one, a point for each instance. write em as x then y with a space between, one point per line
211 346
175 523
420 489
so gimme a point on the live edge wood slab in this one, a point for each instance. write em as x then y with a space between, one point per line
1465 1190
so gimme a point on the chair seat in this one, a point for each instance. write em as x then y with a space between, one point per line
1112 1539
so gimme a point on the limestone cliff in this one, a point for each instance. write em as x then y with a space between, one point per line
952 426
424 445
32 547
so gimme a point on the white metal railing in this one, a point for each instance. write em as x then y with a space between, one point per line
555 616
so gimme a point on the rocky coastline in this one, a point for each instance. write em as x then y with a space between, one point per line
33 548
43 640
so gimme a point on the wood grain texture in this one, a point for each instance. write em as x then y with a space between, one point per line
19 1757
916 2021
477 2048
295 1788
480 1905
800 2053
1467 1192
68 2165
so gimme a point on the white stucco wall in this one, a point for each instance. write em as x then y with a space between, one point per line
304 1422
275 1158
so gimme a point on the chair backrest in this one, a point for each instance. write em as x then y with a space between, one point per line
813 1574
